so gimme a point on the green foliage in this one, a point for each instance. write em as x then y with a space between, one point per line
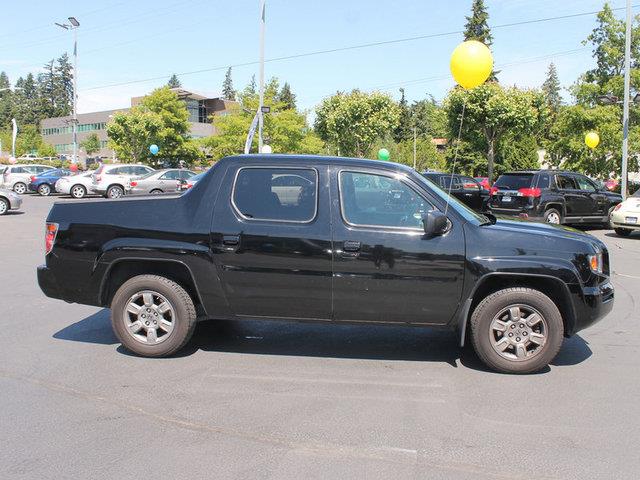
91 144
6 103
29 140
427 156
287 97
477 27
429 118
174 82
228 92
517 152
162 119
551 89
404 130
491 111
351 122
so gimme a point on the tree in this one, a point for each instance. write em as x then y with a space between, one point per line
228 92
47 91
251 88
551 89
427 156
287 97
161 118
5 100
429 118
91 144
404 130
26 105
491 111
174 82
63 86
350 122
477 28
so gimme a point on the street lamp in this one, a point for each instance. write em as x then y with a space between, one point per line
73 25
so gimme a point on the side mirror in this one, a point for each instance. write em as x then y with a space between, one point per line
435 223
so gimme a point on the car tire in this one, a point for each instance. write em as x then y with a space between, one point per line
173 329
114 191
155 191
553 216
44 190
20 188
623 232
78 191
524 314
608 225
4 206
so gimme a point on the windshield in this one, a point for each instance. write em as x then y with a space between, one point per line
636 194
514 181
454 203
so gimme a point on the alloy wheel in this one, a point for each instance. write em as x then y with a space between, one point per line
115 192
149 317
4 206
553 218
44 190
20 188
78 191
518 332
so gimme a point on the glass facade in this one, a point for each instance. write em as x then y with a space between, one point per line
83 127
68 147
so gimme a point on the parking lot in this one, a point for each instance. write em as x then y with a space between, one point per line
289 401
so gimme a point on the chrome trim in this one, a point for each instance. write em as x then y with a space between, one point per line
238 212
396 176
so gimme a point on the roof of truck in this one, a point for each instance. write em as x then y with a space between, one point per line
320 159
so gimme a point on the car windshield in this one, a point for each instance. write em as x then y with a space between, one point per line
2 169
636 194
514 181
454 203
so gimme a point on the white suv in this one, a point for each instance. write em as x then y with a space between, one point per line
17 177
113 181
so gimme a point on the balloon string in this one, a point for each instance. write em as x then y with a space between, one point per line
455 156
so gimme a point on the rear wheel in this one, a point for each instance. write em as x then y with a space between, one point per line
623 232
156 191
78 191
20 188
44 190
114 191
517 330
4 206
153 316
553 216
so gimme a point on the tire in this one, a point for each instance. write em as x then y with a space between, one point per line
623 232
114 191
20 188
488 339
551 215
182 316
44 190
608 225
155 191
4 206
78 191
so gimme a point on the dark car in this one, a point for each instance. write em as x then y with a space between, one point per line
45 183
552 196
466 189
334 240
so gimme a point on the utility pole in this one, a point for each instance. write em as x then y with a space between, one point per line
260 112
73 25
625 105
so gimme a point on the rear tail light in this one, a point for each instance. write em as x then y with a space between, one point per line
617 207
530 192
51 230
133 184
189 185
493 190
33 178
469 185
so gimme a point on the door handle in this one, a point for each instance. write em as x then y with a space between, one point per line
230 240
351 246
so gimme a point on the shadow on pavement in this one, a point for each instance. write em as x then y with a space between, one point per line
13 212
615 235
370 342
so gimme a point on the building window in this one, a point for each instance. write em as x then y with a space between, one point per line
83 127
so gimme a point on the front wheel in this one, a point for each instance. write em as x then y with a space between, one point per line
44 190
623 232
153 316
517 330
4 206
115 191
78 191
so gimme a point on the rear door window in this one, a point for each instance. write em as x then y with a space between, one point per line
514 181
276 194
566 182
448 180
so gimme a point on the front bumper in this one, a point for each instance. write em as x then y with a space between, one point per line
595 304
48 283
15 201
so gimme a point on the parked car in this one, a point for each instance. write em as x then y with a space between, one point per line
45 183
29 156
112 181
484 182
625 217
160 181
9 200
354 241
466 189
189 183
17 177
76 186
552 196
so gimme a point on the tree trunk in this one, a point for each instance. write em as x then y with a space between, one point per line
490 159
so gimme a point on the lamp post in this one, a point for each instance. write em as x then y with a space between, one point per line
261 112
73 26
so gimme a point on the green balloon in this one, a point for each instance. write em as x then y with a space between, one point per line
383 154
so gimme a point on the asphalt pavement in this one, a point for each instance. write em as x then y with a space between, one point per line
268 400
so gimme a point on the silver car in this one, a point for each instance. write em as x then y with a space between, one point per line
9 200
112 180
17 177
162 181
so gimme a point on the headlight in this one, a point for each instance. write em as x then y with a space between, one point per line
595 262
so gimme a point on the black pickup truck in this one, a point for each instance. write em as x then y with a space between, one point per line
309 238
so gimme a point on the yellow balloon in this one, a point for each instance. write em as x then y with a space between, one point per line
471 63
592 139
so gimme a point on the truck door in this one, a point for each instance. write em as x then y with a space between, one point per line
571 194
385 268
593 203
271 241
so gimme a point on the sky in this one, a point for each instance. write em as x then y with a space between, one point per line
122 44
